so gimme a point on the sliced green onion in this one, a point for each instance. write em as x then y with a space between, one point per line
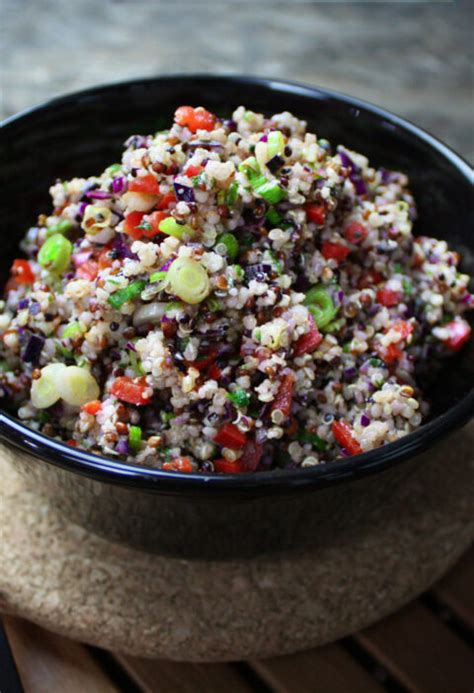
273 217
174 305
238 271
62 226
115 168
76 386
167 416
72 331
135 438
157 276
249 165
275 143
271 192
315 441
130 292
231 244
232 194
320 305
189 280
213 304
55 253
136 363
170 227
407 287
44 390
239 397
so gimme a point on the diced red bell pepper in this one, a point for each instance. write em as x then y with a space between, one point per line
88 270
229 436
131 390
335 251
369 279
308 342
166 200
195 118
214 372
284 397
388 297
22 272
355 232
93 407
460 331
193 170
180 464
147 184
344 435
227 467
204 362
315 213
251 456
131 223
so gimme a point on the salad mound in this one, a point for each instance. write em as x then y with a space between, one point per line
233 296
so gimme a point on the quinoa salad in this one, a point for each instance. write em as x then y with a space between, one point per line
235 295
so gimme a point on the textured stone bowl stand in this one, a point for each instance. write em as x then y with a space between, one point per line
56 574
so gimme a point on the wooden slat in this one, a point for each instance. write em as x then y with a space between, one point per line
328 669
182 677
456 590
420 651
49 663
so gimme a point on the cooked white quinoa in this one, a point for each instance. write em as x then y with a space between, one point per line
233 296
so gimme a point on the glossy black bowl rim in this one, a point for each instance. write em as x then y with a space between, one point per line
105 469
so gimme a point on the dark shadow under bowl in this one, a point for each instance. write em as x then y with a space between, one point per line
227 515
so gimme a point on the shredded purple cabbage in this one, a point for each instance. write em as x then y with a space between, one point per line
205 144
24 303
123 447
121 248
33 349
355 174
258 272
364 420
184 193
34 309
99 195
119 185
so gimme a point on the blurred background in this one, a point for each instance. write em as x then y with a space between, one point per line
414 58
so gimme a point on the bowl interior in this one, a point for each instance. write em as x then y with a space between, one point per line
79 135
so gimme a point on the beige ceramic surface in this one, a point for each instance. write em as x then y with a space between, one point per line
57 575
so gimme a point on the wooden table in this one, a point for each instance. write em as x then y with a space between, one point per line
425 647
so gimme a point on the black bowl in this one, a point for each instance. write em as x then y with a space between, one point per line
195 515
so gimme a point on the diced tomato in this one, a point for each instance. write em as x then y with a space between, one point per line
154 220
195 118
147 184
251 456
204 362
180 464
355 232
92 407
344 435
166 200
369 279
214 372
88 270
316 213
460 331
403 327
227 467
131 223
308 342
388 297
284 397
391 353
22 272
104 259
192 170
72 443
131 390
229 436
335 251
